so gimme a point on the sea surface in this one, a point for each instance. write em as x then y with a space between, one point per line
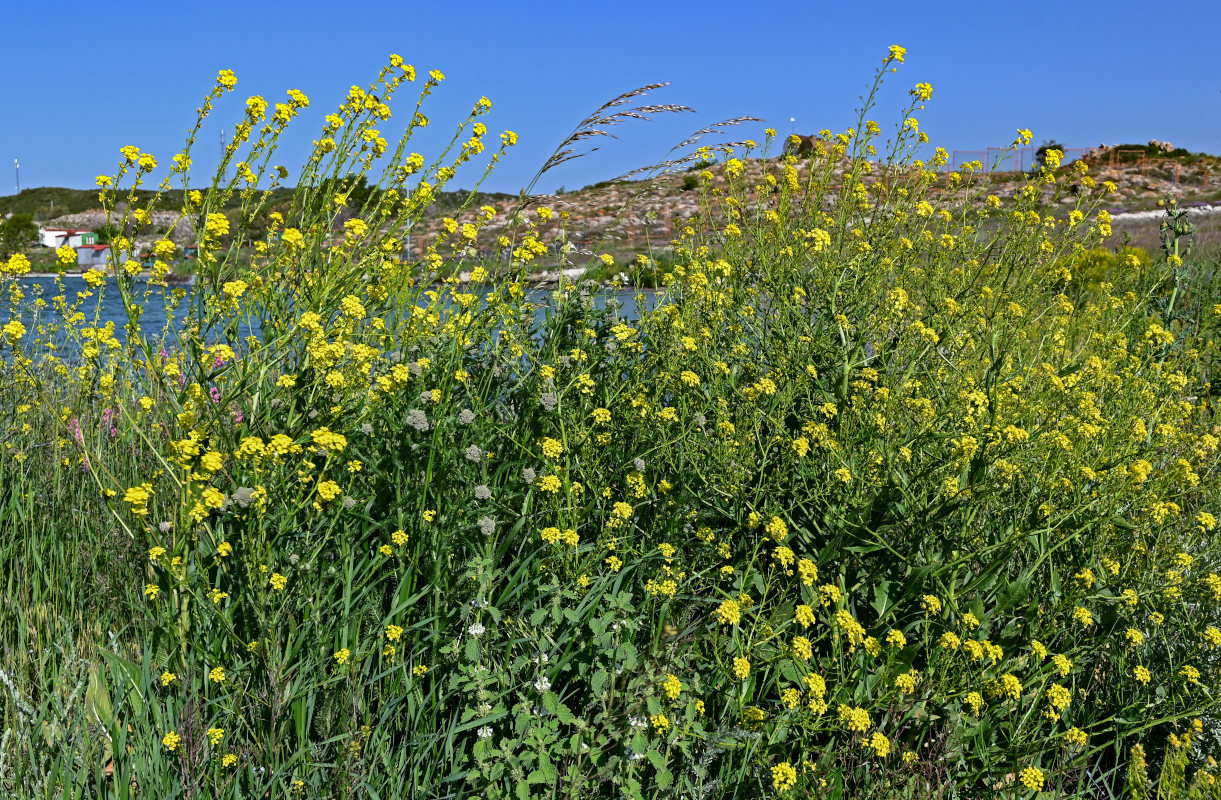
108 307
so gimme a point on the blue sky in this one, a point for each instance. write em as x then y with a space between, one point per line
78 80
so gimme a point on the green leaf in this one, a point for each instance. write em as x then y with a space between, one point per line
631 656
598 682
656 759
552 703
790 671
881 597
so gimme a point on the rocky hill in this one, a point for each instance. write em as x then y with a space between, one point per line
623 217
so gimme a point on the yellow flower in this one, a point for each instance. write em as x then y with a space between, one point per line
229 760
854 719
1032 778
897 53
217 675
277 581
784 777
728 613
171 741
343 655
1142 674
1058 697
13 331
741 668
215 735
419 670
138 497
167 678
776 529
880 744
328 440
672 686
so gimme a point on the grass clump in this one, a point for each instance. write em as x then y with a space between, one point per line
872 499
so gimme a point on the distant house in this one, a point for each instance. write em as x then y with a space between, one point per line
57 237
92 255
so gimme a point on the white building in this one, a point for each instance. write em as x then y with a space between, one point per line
56 237
92 255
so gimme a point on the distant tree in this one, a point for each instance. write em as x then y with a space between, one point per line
16 232
356 188
1040 155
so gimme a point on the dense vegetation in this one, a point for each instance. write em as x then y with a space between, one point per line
872 500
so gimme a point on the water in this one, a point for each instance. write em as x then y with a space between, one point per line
108 308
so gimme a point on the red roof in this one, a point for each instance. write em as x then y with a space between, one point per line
93 247
69 231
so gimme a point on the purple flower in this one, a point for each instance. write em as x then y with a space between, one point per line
108 419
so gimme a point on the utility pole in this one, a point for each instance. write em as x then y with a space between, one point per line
17 170
222 144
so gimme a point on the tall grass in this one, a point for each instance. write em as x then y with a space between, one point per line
883 495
